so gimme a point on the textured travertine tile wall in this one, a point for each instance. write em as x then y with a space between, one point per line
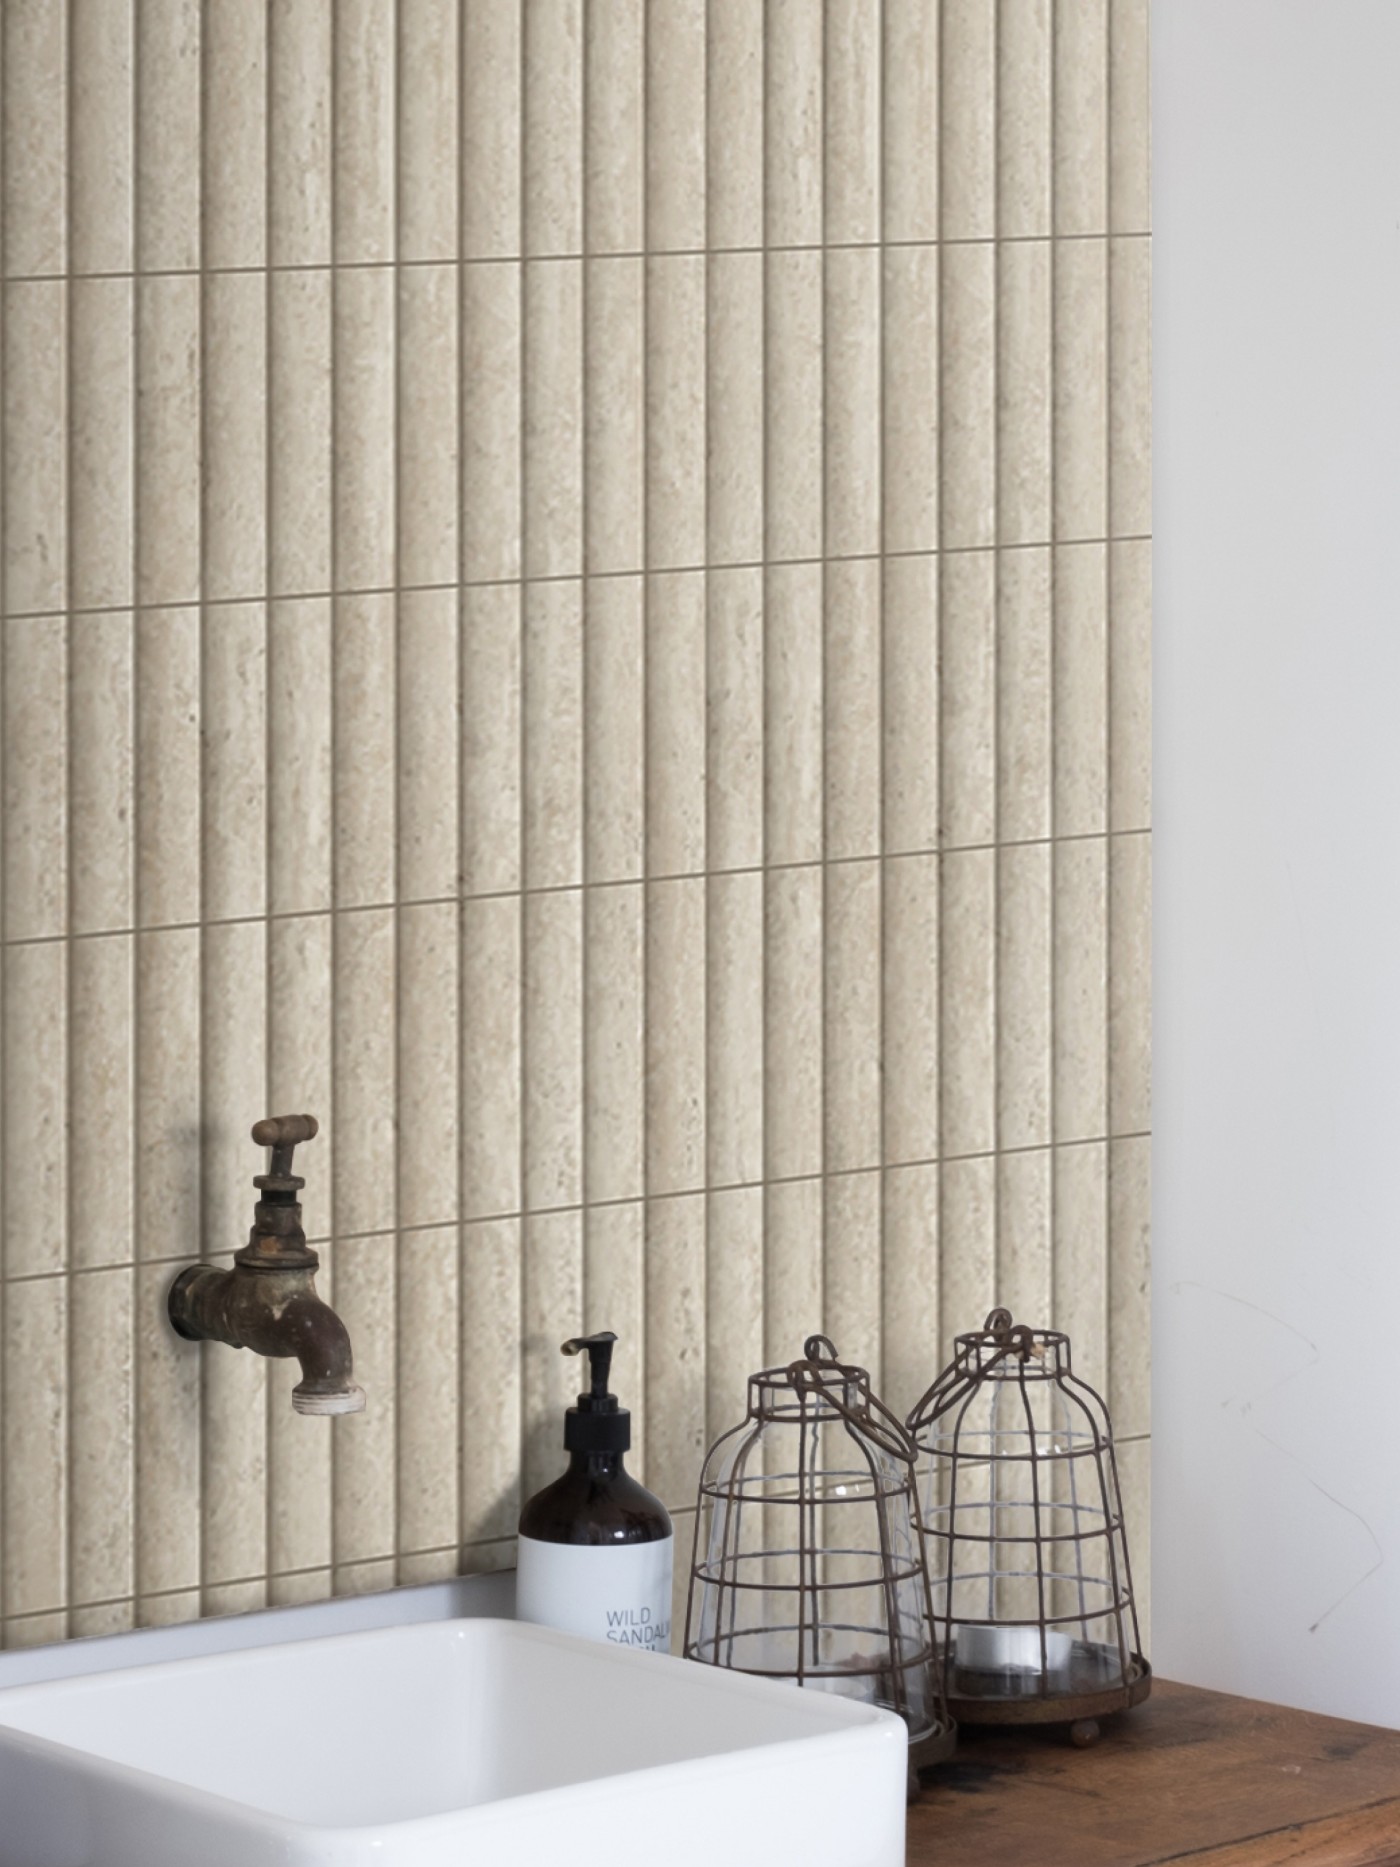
576 602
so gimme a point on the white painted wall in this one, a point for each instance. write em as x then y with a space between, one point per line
1276 1387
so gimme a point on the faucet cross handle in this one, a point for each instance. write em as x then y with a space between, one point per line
283 1133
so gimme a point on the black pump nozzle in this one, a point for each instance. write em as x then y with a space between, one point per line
597 1423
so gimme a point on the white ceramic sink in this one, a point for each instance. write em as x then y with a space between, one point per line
470 1742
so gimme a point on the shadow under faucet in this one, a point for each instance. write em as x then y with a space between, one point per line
268 1301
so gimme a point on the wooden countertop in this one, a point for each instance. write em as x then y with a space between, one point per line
1191 1776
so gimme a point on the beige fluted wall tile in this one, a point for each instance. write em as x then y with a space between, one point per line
300 470
793 1297
614 678
233 1082
553 1049
967 1245
1081 388
1129 1381
1134 1463
1130 984
170 1610
734 1142
35 778
167 135
36 155
167 1100
34 412
168 809
491 1058
1023 128
429 500
675 125
1080 699
1081 1256
168 413
363 339
734 1258
553 735
1025 1236
245 1597
428 736
968 119
300 715
675 1363
364 637
1080 128
428 1400
967 692
168 1441
1130 684
792 413
101 377
552 1302
852 1275
967 991
101 1106
910 380
492 421
491 127
734 763
613 154
427 117
852 1035
792 1023
1129 122
1024 995
37 1471
909 704
428 1063
675 1035
675 410
734 195
675 724
300 1028
1081 988
101 769
299 106
792 123
429 1565
614 1297
614 414
365 998
792 714
851 401
1024 392
371 1577
363 113
967 395
492 1366
233 778
364 1449
103 1617
614 1044
492 787
910 1334
237 1390
233 51
1024 695
910 982
1130 387
233 393
36 1035
553 404
733 338
851 121
552 77
911 119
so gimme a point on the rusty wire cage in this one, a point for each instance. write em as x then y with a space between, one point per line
1022 1521
807 1564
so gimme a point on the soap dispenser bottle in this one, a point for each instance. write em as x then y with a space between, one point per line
596 1548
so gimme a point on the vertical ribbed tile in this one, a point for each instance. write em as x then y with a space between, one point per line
733 1302
852 1273
734 1138
491 127
909 703
428 736
363 113
101 1108
614 90
364 1445
734 408
300 469
1129 122
910 1332
910 418
967 694
553 126
492 795
675 1035
675 724
492 1365
968 101
167 134
35 778
675 126
1130 387
792 123
675 1362
1081 388
1130 685
614 680
36 155
37 1473
1024 696
34 412
1130 984
793 1296
675 410
168 1437
365 1005
1023 127
1130 1283
1023 1024
167 1101
792 1027
1024 394
364 713
102 758
967 988
36 1026
552 1305
911 119
792 709
299 104
167 654
851 402
428 162
102 1449
299 703
491 1056
615 1297
734 71
428 1398
1080 1280
851 122
168 439
614 1044
101 366
428 425
233 779
1080 698
553 1049
910 1012
614 439
792 384
364 415
967 1240
852 1049
427 1020
234 428
734 769
1025 1235
1134 1463
553 735
1080 127
1081 988
234 49
553 399
492 417
967 395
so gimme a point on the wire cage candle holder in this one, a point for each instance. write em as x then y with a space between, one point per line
1022 1520
807 1563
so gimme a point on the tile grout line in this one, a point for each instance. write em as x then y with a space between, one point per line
269 691
65 1572
335 1477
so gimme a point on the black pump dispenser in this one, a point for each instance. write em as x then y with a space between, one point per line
597 1423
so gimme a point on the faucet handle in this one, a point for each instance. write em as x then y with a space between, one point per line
282 1133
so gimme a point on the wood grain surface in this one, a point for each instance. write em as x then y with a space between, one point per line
1189 1776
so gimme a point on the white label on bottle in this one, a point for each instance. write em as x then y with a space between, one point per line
621 1593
